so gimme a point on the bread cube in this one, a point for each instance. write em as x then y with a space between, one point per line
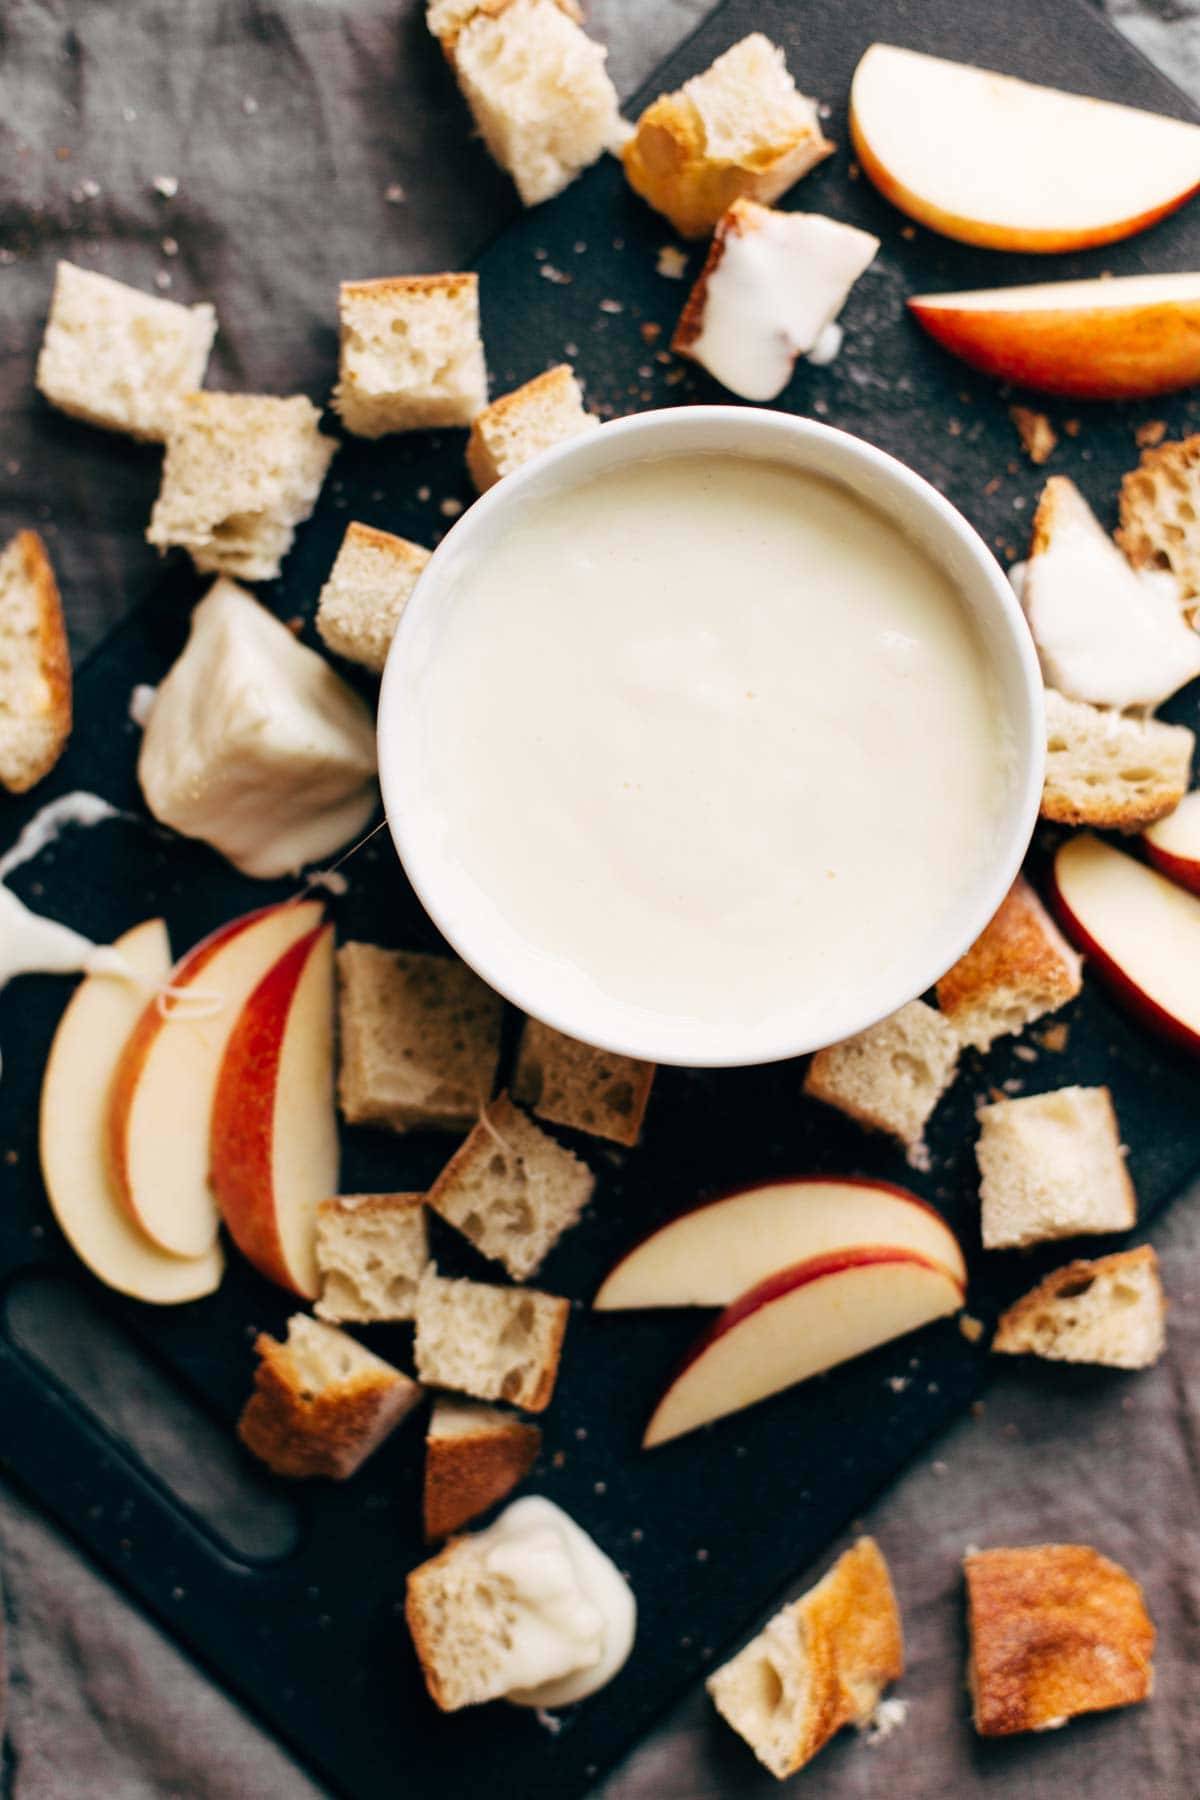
371 1250
321 1402
474 1456
365 594
1019 969
35 665
741 129
411 354
255 745
420 1039
119 358
1051 1166
536 85
1109 769
519 426
1160 512
512 1190
494 1343
240 473
572 1084
821 1663
1109 1311
891 1076
1056 1630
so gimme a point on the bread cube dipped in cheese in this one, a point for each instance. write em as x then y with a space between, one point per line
770 291
255 745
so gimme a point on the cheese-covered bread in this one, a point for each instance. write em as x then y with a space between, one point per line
255 745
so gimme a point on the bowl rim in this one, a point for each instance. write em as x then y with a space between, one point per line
573 459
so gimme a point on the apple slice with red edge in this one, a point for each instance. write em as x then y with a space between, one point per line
79 1071
160 1104
720 1249
274 1147
1173 843
1139 931
1122 339
799 1323
987 159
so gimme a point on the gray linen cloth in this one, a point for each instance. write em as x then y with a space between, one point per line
232 98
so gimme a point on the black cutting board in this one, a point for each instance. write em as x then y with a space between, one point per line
710 1527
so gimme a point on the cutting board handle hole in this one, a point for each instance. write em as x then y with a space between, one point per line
148 1419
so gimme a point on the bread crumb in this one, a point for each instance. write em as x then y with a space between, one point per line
394 194
650 331
898 1383
548 1721
249 105
166 185
1038 436
888 1717
1072 427
908 232
1151 433
993 486
559 277
1054 1038
971 1327
610 306
169 247
449 507
162 279
1025 1053
672 262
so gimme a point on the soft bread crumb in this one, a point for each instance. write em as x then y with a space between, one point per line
411 357
35 665
1109 1311
494 1343
821 1663
1107 769
366 592
891 1076
572 1084
1051 1167
1056 1630
520 425
1160 512
371 1251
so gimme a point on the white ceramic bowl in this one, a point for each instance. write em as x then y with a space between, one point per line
894 490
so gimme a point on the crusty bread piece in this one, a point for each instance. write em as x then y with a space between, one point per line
120 358
35 665
494 1343
1019 969
520 425
371 1249
420 1039
474 1456
1160 512
366 591
891 1076
240 473
536 85
820 1664
411 355
321 1402
572 1084
1109 1311
740 128
1110 770
511 1190
1056 1630
1051 1167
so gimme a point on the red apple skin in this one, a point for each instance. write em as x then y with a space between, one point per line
756 1187
244 1113
151 1022
1001 237
1184 871
1131 997
1110 353
797 1276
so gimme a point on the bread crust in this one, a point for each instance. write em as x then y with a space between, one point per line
54 715
467 1472
1056 1630
1058 808
740 219
1011 1337
329 1434
1021 950
421 1634
411 286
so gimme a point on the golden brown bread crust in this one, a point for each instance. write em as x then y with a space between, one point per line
414 285
1058 809
1011 1338
1057 488
54 659
302 1435
1056 1630
854 1643
469 1471
737 220
1020 949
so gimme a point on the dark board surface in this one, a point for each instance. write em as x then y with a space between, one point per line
710 1527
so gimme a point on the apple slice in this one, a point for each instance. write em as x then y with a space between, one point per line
1173 843
274 1130
1141 932
798 1323
1124 339
160 1107
708 1256
990 160
75 1087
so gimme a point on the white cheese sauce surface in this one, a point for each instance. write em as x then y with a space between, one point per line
715 738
